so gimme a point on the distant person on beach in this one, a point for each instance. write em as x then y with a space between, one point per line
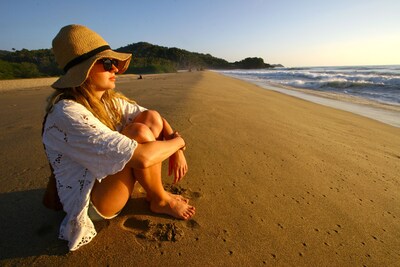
99 143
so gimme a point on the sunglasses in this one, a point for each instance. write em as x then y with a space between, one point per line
108 63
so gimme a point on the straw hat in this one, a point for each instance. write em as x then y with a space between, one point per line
76 49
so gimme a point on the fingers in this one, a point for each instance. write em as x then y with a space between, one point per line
180 173
178 166
177 175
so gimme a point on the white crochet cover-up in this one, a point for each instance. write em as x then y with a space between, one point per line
82 149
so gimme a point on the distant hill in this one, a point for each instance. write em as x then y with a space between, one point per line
147 58
4 52
145 54
28 64
149 54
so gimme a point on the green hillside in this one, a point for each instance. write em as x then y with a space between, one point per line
147 58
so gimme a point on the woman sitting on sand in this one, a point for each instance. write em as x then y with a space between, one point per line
99 143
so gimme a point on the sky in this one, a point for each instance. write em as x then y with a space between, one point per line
293 33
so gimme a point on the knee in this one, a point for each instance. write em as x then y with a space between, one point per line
139 132
151 118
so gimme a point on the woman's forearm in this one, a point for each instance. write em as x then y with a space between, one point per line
150 153
167 130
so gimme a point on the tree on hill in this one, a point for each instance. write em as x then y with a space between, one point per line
179 58
43 59
10 70
251 63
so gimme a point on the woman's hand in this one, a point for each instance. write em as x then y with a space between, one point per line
177 162
177 166
175 135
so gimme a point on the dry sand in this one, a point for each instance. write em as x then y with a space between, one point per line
276 181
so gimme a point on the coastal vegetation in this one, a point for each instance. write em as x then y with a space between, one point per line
147 58
28 64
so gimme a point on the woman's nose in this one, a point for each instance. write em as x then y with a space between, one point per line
114 68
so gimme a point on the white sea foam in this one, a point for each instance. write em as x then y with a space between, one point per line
377 83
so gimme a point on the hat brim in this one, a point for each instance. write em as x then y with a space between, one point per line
77 75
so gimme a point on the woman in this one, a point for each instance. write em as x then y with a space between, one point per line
99 143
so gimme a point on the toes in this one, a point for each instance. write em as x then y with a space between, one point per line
175 207
189 213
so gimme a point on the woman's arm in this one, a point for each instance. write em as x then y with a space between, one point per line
150 153
177 162
167 130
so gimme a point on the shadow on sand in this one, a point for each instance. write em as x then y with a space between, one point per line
27 228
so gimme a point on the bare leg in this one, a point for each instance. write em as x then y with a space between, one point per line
111 195
177 197
153 121
150 179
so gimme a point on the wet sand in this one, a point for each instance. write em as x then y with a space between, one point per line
276 181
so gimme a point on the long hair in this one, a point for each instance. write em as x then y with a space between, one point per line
105 109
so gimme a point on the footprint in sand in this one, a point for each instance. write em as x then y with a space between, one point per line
149 230
146 229
192 224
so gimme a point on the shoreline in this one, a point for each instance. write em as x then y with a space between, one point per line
386 113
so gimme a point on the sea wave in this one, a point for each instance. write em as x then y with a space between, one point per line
379 83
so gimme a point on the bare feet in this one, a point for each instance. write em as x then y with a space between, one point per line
177 197
174 207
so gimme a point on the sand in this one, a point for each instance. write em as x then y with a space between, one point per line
276 181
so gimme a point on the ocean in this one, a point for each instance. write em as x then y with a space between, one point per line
375 84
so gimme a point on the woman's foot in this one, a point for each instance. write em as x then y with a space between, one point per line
177 197
173 207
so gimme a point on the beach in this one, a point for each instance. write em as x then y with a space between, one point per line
276 181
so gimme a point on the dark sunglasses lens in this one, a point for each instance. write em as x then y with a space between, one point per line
115 62
108 63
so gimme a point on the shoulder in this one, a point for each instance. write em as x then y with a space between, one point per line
69 109
121 102
68 112
68 106
128 107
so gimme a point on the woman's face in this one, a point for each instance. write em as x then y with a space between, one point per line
100 79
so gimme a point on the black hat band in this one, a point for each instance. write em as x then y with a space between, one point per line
85 56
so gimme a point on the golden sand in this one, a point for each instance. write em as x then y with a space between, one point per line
275 180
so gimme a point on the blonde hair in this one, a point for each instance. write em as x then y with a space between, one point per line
104 109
